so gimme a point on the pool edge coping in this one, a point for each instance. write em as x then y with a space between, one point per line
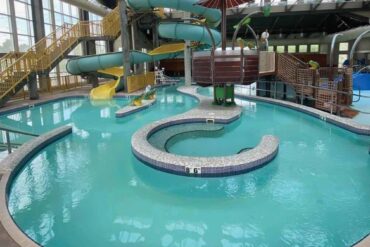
21 106
344 123
11 165
129 109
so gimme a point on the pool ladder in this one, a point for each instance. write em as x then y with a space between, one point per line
210 120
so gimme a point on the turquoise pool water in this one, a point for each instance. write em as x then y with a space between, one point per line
89 190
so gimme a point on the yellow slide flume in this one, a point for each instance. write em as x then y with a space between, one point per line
107 90
168 49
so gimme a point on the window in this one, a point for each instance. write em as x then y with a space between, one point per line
292 49
23 26
67 19
302 48
93 17
24 42
77 51
6 42
271 48
280 49
66 8
341 59
63 13
314 48
343 46
74 11
46 4
58 19
100 47
48 29
4 9
47 16
5 24
57 6
21 9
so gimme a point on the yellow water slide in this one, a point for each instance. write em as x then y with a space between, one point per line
107 90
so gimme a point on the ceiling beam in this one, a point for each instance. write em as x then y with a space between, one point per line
314 7
290 8
342 22
274 24
340 5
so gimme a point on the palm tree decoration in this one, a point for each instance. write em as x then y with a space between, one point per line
223 5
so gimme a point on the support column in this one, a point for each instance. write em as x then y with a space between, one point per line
155 39
187 57
133 40
32 87
39 31
155 34
109 45
125 42
89 48
14 25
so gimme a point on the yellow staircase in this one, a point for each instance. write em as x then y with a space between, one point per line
16 68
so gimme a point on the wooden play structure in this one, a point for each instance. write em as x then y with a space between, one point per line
231 67
328 87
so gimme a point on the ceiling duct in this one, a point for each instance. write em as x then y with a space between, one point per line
91 6
348 35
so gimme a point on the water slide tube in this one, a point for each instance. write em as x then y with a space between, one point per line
172 30
106 64
179 30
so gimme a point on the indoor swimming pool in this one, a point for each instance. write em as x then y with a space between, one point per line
89 188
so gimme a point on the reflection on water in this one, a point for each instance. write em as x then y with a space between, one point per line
88 187
39 120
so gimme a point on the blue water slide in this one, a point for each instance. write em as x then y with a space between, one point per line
172 30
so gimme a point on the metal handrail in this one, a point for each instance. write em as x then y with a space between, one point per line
308 97
249 27
41 56
7 136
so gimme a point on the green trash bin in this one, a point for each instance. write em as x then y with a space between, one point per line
224 94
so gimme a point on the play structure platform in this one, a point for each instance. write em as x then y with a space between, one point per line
230 66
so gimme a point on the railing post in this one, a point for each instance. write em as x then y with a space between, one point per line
302 93
331 102
8 144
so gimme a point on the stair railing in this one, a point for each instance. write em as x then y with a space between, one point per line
7 136
46 51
